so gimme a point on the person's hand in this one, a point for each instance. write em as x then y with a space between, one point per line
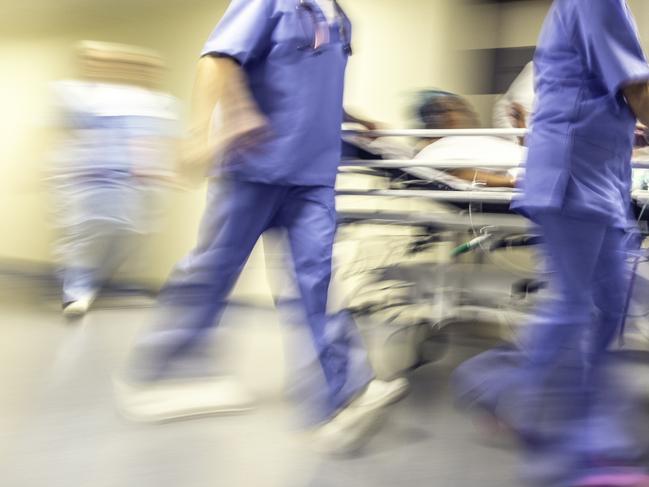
196 152
241 127
257 132
640 136
516 176
195 156
518 115
369 125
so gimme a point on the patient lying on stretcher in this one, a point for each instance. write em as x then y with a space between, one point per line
448 111
440 110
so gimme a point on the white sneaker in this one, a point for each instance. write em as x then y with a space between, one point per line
175 400
352 426
79 307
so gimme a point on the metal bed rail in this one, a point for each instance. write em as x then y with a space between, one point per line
446 164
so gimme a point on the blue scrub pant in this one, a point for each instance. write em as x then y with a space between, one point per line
100 225
93 259
556 391
237 214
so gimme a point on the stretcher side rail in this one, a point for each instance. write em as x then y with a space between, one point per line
438 133
446 164
449 221
503 197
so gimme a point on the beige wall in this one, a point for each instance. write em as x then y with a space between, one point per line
399 47
23 221
521 22
640 10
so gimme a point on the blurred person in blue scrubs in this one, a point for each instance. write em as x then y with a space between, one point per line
112 167
266 118
556 392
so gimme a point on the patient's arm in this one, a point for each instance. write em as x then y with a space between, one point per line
489 179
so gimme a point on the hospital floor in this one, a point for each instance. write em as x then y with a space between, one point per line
59 426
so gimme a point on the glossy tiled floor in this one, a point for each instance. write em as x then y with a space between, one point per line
59 426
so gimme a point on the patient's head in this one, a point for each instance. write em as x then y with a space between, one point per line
442 110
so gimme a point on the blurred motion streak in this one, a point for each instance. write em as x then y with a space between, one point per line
113 164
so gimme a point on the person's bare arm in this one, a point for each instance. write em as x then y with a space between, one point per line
637 96
489 179
221 81
212 75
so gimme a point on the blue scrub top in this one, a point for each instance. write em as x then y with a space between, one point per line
299 90
582 130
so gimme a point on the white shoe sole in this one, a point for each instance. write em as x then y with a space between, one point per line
399 392
171 416
79 308
357 426
159 406
74 312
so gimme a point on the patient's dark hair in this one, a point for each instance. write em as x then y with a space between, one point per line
443 110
